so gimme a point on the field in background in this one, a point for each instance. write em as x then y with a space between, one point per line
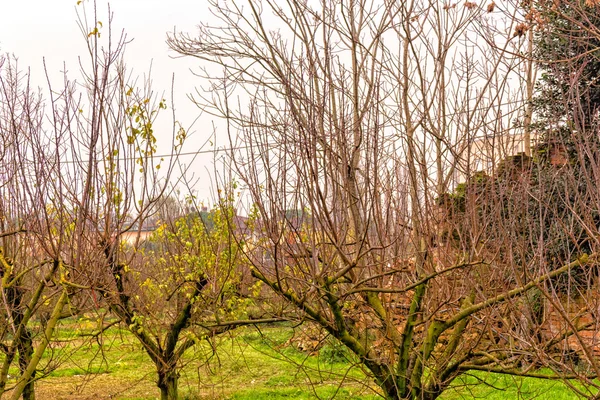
246 364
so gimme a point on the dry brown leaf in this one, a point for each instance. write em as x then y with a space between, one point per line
520 29
470 5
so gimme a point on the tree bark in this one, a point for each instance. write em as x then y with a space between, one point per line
25 355
26 377
167 383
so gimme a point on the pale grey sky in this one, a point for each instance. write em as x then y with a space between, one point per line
37 29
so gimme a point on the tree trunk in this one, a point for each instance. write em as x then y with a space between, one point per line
29 391
25 355
27 376
167 383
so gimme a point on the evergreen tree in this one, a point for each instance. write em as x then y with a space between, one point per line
567 50
547 202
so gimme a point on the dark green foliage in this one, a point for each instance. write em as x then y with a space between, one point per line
541 212
567 48
567 100
334 352
534 215
566 113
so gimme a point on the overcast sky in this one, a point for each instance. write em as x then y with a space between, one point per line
37 29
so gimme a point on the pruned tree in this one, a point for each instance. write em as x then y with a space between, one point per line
81 181
79 171
181 289
33 234
348 121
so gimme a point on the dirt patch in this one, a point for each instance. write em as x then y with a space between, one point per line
95 387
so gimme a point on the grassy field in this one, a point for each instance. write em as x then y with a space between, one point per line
248 364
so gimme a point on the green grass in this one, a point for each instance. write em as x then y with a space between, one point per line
300 394
253 365
243 365
503 387
75 371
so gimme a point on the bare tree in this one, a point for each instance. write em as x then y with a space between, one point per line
353 119
81 180
31 219
79 170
